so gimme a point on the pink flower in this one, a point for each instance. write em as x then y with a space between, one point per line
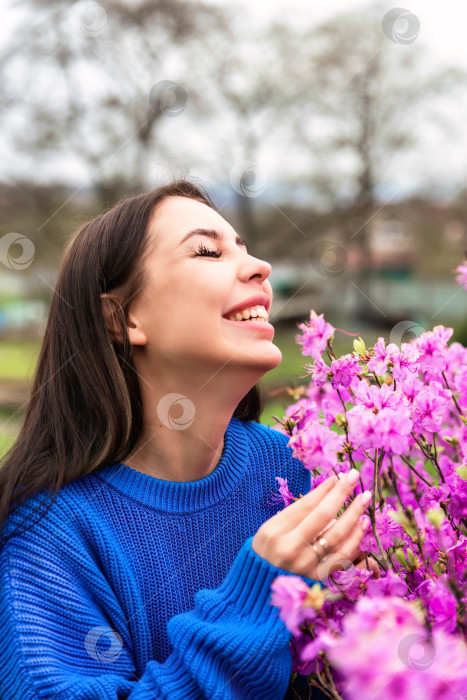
411 387
373 396
316 334
320 372
382 356
430 405
316 446
353 581
387 529
461 277
344 371
432 347
460 384
440 604
302 412
389 585
384 652
405 362
363 428
457 557
284 491
394 428
455 492
388 428
289 594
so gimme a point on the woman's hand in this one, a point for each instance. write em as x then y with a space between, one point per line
285 539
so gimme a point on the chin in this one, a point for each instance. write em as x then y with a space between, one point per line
267 359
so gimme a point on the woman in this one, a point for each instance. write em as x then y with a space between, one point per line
138 548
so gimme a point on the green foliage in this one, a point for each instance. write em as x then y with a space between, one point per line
18 358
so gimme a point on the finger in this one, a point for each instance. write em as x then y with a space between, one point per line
343 556
327 509
346 522
329 525
372 566
298 510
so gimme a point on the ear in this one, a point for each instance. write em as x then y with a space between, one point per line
114 317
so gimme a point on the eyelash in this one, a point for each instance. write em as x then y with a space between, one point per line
202 250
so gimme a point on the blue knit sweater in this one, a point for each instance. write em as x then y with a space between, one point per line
136 587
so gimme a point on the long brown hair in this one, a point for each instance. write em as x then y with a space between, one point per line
85 409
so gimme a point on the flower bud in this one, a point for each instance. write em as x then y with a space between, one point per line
400 556
359 346
436 517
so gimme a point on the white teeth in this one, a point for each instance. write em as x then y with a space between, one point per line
259 313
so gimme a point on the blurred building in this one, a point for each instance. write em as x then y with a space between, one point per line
392 246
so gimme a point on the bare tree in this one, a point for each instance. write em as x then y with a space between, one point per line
248 82
104 81
366 102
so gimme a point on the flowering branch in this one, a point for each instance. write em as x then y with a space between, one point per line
387 411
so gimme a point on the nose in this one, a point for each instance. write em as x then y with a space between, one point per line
255 267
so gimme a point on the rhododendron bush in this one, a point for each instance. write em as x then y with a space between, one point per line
398 414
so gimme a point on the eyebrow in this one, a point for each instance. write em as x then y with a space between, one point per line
212 233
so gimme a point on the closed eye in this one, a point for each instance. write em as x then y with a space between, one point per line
202 250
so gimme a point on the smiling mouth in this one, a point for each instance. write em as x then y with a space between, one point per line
255 313
252 324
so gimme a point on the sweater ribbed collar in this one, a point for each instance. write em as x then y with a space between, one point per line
186 496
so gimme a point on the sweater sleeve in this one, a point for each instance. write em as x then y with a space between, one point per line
60 640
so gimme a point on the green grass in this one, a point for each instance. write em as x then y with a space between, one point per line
287 374
18 358
17 363
7 439
292 359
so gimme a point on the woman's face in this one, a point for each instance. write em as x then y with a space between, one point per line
183 307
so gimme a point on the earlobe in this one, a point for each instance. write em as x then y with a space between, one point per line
136 335
115 321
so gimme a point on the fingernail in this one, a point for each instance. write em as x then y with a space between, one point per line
352 476
365 498
365 522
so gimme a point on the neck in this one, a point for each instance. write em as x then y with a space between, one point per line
183 435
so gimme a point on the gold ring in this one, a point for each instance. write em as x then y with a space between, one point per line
324 546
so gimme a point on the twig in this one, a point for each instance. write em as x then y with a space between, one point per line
373 516
452 393
411 466
429 456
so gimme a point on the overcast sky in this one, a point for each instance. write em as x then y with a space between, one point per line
442 31
442 22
